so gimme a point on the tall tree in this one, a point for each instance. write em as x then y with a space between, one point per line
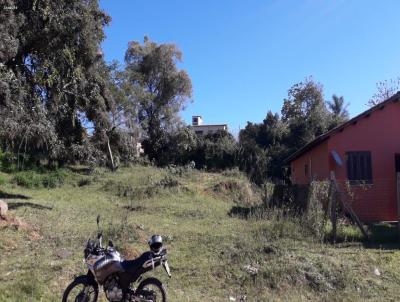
305 113
338 108
119 136
49 74
161 90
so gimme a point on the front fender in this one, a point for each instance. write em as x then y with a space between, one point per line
87 279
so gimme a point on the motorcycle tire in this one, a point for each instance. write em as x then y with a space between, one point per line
81 297
145 284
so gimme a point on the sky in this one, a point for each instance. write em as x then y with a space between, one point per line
243 56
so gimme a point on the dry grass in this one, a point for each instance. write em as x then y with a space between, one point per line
209 249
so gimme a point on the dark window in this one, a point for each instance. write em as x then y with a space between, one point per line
199 132
306 170
359 169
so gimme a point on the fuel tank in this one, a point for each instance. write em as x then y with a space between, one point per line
106 265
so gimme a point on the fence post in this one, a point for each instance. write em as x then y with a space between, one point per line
333 206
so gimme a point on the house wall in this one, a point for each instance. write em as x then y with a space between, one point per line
317 160
380 134
206 129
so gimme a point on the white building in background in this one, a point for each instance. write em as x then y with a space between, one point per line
201 129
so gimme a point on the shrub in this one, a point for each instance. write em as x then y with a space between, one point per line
32 179
281 224
121 231
181 171
168 181
84 182
53 179
315 216
7 161
2 180
234 173
28 179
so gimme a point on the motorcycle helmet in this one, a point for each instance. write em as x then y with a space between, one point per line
155 243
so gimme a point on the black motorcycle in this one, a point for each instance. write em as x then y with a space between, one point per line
118 276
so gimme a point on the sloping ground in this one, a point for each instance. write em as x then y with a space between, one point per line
214 256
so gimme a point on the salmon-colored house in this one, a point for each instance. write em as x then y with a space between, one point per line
364 154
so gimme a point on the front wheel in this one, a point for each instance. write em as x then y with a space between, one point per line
152 289
82 289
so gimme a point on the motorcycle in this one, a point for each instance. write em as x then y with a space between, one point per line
107 268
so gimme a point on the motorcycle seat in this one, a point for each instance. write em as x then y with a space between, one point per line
133 266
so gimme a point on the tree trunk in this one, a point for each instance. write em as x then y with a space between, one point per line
110 154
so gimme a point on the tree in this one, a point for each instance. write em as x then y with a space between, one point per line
160 88
338 109
385 89
254 161
305 113
269 136
119 135
219 150
50 75
183 147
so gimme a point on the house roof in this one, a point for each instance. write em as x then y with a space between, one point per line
354 120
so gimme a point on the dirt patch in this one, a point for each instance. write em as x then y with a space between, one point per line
19 224
129 252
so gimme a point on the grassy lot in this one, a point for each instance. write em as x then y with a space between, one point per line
209 247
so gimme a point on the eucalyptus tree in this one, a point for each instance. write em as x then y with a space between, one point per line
160 89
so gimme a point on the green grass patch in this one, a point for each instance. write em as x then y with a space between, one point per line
33 179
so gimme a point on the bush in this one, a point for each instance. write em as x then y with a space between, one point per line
181 171
281 224
7 162
315 217
28 179
216 151
32 179
84 182
53 179
234 173
2 180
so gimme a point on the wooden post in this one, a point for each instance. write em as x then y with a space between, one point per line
334 215
337 194
398 202
333 206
